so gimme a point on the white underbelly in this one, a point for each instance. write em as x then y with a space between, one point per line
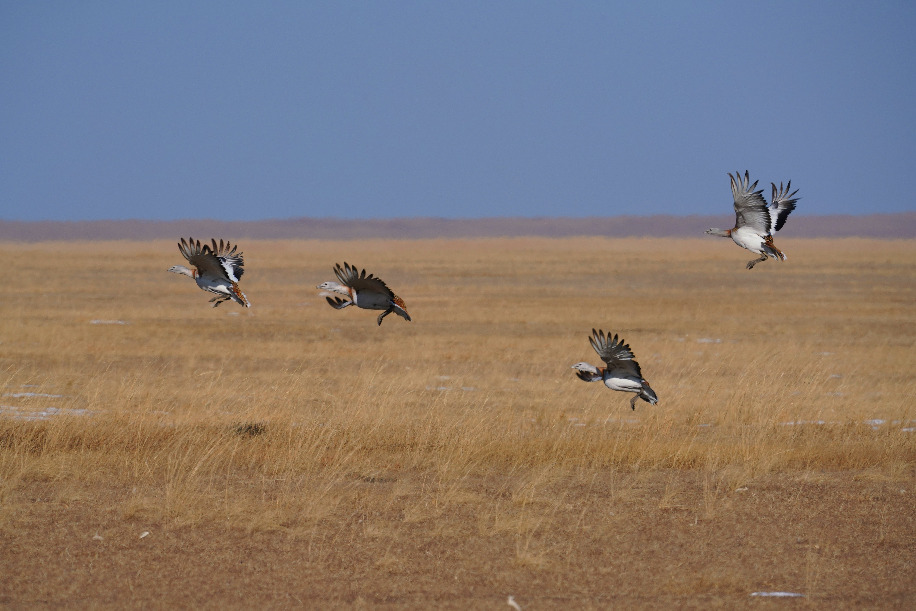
748 238
624 384
214 286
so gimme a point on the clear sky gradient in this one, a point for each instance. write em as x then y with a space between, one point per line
255 110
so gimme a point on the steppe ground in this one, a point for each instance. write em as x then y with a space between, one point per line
156 452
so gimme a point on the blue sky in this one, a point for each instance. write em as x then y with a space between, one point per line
254 110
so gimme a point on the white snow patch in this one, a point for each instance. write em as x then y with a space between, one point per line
442 388
622 420
44 414
21 395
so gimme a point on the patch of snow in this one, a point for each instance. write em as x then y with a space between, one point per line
874 423
466 388
798 422
622 420
44 414
20 395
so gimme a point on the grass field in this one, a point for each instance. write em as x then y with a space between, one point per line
157 452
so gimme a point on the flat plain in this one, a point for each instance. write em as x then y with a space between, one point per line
157 452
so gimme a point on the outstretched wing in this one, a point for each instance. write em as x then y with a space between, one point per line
231 262
337 303
359 281
782 205
750 207
588 376
202 258
614 352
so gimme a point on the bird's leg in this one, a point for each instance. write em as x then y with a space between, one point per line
383 315
633 402
751 264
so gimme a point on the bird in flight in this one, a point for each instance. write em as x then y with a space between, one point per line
755 220
363 291
215 268
622 371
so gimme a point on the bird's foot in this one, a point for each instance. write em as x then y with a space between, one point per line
751 264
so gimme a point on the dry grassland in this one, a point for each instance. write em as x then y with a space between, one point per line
294 455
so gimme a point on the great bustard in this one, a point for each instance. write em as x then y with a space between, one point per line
755 220
622 372
363 291
217 269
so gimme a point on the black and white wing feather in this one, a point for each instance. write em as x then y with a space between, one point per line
202 257
231 262
750 207
783 203
337 303
614 352
360 281
216 261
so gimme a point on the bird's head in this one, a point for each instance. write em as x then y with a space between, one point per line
334 287
584 367
181 269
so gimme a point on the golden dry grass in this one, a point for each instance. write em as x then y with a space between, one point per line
294 455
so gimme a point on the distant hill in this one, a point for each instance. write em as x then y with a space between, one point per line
891 226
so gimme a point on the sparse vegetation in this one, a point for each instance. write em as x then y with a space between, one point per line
292 454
